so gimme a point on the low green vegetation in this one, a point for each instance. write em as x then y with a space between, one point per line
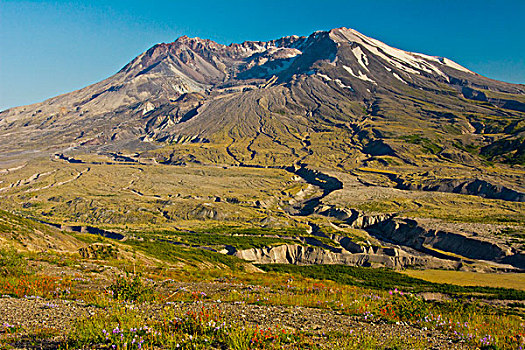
170 253
130 288
239 241
427 145
12 263
509 150
254 231
470 148
385 279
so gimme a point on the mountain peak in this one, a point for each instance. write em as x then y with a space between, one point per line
330 77
193 40
409 62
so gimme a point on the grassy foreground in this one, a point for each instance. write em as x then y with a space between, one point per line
158 307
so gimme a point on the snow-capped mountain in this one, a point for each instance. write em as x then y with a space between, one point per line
273 94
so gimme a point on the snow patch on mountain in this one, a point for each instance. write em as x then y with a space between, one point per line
148 107
399 78
360 75
341 84
361 57
403 60
325 77
454 65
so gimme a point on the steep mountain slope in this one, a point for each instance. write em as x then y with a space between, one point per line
277 102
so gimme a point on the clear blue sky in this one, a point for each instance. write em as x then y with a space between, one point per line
52 47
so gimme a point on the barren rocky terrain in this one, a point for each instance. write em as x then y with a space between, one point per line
33 315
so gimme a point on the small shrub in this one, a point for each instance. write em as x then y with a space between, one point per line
12 263
130 289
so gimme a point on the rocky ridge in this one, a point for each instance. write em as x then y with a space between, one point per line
192 90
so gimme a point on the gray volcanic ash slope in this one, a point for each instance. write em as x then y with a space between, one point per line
275 92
